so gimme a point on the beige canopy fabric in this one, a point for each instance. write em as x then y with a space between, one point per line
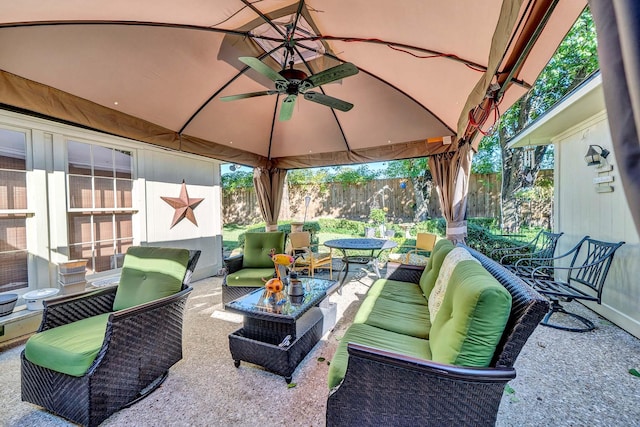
155 71
431 73
450 173
269 186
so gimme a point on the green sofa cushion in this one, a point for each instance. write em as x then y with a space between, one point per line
395 290
371 336
251 277
150 273
257 247
403 318
71 348
431 271
472 317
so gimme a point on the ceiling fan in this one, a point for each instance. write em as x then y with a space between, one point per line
292 82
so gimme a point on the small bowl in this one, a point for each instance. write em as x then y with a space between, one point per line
34 298
7 303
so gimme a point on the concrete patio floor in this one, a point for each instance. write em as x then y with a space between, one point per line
564 379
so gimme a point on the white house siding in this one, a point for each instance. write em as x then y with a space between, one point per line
157 172
580 211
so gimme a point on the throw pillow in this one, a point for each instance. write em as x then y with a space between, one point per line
448 265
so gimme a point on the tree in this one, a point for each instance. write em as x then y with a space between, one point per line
575 59
417 170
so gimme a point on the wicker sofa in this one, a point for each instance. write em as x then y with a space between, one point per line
98 352
396 365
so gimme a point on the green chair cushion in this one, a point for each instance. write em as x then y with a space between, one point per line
403 318
431 271
395 290
150 273
471 319
257 247
371 336
251 277
71 348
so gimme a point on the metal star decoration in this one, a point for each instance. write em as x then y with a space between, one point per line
183 205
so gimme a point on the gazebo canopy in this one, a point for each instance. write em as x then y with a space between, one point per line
431 72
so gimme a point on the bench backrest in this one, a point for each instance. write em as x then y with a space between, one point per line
546 245
528 308
594 268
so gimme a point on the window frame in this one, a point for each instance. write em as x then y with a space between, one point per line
94 211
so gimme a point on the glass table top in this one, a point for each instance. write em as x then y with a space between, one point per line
280 304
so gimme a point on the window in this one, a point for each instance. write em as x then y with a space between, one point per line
100 204
13 210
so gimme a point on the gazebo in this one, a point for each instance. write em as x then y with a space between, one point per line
431 77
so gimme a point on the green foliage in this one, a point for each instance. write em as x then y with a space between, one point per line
488 159
534 194
358 176
307 176
311 226
378 216
408 168
575 59
238 179
481 239
342 226
435 225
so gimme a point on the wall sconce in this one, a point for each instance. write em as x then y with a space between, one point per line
595 157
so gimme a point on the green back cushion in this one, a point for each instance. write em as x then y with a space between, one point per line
431 271
70 348
257 247
472 317
150 273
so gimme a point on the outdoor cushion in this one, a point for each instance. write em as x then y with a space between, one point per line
395 290
448 265
472 317
364 334
150 273
255 277
431 271
257 247
70 348
407 319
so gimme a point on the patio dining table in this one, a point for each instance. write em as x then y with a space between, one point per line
373 248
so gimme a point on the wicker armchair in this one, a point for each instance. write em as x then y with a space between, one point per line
140 344
386 388
251 269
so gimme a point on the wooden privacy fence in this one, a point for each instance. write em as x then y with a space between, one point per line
351 201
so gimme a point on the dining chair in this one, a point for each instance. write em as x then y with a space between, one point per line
419 253
306 258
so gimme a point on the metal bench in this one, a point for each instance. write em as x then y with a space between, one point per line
522 260
585 277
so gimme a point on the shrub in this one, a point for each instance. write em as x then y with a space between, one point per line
311 226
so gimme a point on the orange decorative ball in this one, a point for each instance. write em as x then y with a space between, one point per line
274 285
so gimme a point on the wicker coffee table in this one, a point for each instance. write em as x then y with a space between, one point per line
278 335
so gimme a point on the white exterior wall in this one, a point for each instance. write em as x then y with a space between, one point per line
157 172
581 211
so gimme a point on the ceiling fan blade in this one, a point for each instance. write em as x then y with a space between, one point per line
286 110
248 95
329 101
262 68
327 76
